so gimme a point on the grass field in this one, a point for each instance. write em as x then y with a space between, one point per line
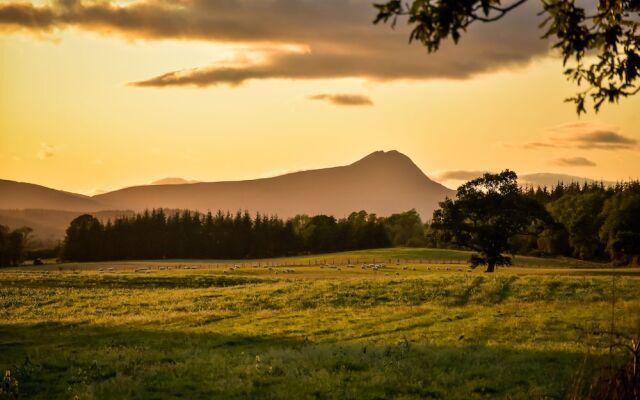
421 326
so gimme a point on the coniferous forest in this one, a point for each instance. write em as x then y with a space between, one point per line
158 234
588 221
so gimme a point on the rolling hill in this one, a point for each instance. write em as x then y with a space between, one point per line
21 195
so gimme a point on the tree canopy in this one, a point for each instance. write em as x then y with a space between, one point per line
486 213
600 46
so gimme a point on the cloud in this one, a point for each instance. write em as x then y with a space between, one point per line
93 191
173 181
573 162
26 16
538 145
46 151
588 135
459 175
338 36
537 179
343 99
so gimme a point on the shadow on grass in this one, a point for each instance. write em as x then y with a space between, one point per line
465 296
629 273
55 360
129 282
502 290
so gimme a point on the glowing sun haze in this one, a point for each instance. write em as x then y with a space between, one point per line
101 95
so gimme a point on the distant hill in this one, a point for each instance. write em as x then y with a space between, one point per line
381 183
49 226
550 179
20 195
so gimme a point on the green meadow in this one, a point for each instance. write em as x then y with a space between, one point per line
418 325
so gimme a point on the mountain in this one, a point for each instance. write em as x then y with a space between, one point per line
20 195
381 183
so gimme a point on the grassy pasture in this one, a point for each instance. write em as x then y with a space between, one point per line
299 328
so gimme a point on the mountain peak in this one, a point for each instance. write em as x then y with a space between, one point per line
384 157
391 162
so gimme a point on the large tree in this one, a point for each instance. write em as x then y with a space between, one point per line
600 44
486 213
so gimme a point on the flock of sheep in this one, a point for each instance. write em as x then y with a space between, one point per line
278 268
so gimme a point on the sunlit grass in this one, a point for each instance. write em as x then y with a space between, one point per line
424 328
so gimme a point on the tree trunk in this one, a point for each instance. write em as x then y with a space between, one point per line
491 266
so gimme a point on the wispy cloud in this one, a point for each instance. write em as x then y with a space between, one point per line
339 36
573 162
343 99
459 175
588 135
46 151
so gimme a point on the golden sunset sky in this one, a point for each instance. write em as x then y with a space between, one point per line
101 95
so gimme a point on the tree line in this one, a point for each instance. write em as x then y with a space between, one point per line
157 233
588 221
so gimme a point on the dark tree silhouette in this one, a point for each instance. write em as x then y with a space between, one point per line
620 231
487 212
187 234
83 239
13 245
610 32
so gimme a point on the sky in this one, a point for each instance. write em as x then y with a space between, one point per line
99 95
